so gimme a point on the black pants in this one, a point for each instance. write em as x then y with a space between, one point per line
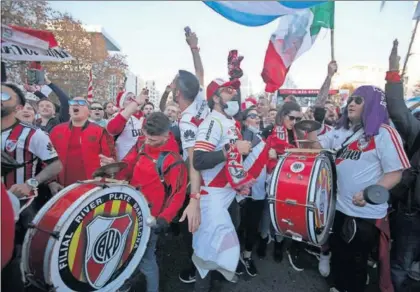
350 260
406 246
253 210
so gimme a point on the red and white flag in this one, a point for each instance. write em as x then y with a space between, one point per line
294 36
27 44
90 88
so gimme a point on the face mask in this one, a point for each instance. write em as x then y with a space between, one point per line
231 108
253 129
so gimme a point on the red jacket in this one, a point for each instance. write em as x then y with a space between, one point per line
279 141
7 227
95 141
142 173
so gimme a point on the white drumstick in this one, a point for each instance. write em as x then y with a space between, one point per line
151 221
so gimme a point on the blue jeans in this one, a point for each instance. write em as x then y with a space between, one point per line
406 247
148 265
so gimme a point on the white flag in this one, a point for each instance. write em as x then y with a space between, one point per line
417 12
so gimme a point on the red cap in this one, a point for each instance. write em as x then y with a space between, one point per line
219 83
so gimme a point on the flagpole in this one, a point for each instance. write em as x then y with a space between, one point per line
409 47
332 44
332 34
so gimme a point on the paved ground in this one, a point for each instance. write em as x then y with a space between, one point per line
273 276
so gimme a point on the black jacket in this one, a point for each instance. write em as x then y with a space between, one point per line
63 116
409 128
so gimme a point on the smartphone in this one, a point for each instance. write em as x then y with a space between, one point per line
187 30
35 77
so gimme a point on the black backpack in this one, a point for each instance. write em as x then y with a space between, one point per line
160 171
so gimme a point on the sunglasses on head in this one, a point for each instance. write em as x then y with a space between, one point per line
5 96
96 108
292 118
252 116
78 102
357 99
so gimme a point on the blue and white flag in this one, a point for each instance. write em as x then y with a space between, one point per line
257 13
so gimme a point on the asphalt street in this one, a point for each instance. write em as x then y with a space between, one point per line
272 276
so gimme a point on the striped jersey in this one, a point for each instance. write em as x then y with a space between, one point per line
26 144
362 163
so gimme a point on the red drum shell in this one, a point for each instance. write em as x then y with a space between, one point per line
88 237
301 197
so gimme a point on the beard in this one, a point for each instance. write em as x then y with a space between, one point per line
6 111
329 122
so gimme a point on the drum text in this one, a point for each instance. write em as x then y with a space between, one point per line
120 196
87 209
62 255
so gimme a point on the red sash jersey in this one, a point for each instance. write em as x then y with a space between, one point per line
94 140
7 227
279 141
142 174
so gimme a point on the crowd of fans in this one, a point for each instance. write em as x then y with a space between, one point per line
54 146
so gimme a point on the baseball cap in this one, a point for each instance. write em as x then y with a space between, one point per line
219 83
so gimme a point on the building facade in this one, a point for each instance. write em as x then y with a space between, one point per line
154 94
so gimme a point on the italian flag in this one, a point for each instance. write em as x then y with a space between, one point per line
294 36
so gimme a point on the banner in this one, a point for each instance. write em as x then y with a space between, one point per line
9 34
16 52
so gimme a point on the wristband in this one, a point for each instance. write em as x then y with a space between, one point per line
195 48
195 196
393 76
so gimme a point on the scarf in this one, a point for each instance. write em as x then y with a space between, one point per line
237 176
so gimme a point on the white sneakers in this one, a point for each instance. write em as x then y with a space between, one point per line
324 265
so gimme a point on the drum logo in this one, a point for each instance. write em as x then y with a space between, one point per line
106 238
101 242
297 167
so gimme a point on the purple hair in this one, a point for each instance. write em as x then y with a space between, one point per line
374 112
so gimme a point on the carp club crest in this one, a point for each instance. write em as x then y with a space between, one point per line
101 241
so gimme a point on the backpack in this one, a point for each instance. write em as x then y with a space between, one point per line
159 168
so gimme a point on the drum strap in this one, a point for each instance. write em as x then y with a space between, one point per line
350 139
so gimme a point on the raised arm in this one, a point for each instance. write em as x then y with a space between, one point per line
325 88
192 41
164 98
405 123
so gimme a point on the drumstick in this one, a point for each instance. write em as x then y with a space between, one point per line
151 221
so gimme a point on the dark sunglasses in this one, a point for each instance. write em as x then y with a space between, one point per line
97 109
78 102
292 118
5 96
357 99
252 116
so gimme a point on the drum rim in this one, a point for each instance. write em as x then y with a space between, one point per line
310 214
273 186
24 264
145 235
61 223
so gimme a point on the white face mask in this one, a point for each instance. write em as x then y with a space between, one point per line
232 108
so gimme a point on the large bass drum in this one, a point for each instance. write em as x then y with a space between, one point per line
90 236
302 195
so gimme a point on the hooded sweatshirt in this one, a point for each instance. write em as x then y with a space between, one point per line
142 174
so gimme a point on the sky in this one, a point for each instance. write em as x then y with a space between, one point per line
151 34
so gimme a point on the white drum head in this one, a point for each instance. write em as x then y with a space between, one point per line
102 239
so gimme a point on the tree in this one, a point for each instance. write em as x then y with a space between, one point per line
33 14
88 50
